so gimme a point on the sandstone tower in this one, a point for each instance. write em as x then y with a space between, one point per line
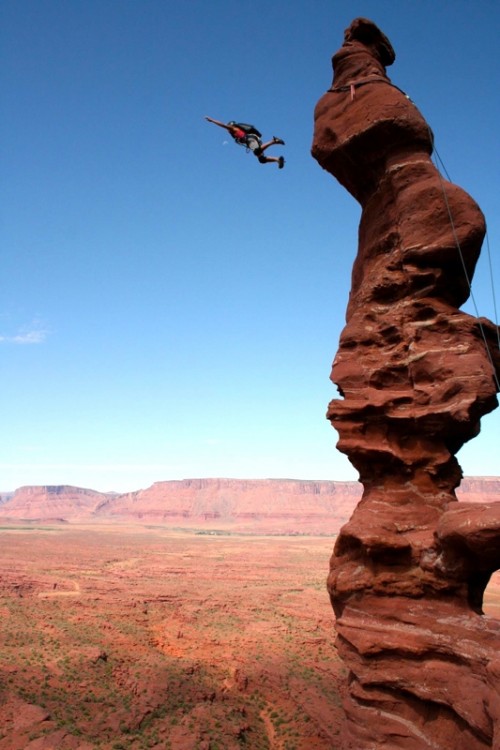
415 375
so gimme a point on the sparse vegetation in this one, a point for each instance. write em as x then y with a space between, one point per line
147 637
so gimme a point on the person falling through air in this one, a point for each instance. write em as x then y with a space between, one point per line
249 136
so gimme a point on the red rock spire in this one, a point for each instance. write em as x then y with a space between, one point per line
414 376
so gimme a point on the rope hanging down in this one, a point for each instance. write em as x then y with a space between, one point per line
457 242
351 87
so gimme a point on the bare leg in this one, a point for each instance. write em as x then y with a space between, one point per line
267 159
271 143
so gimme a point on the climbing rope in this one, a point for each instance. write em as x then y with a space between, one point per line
488 253
469 284
351 88
490 266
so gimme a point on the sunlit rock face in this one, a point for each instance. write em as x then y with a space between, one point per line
414 375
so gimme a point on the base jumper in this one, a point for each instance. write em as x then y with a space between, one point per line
248 135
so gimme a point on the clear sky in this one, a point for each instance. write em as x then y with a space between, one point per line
169 307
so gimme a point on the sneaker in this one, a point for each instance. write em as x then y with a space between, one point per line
281 162
278 140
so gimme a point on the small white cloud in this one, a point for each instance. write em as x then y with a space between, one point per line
35 333
30 337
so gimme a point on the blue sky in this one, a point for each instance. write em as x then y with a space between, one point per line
170 308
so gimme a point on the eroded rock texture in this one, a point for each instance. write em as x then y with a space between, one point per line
414 376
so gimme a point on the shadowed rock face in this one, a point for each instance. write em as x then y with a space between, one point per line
414 376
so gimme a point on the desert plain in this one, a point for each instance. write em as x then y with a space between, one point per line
124 637
121 636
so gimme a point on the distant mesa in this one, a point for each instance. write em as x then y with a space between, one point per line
289 506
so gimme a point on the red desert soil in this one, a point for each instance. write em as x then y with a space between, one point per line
117 637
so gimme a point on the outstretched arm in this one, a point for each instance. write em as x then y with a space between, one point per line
217 122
